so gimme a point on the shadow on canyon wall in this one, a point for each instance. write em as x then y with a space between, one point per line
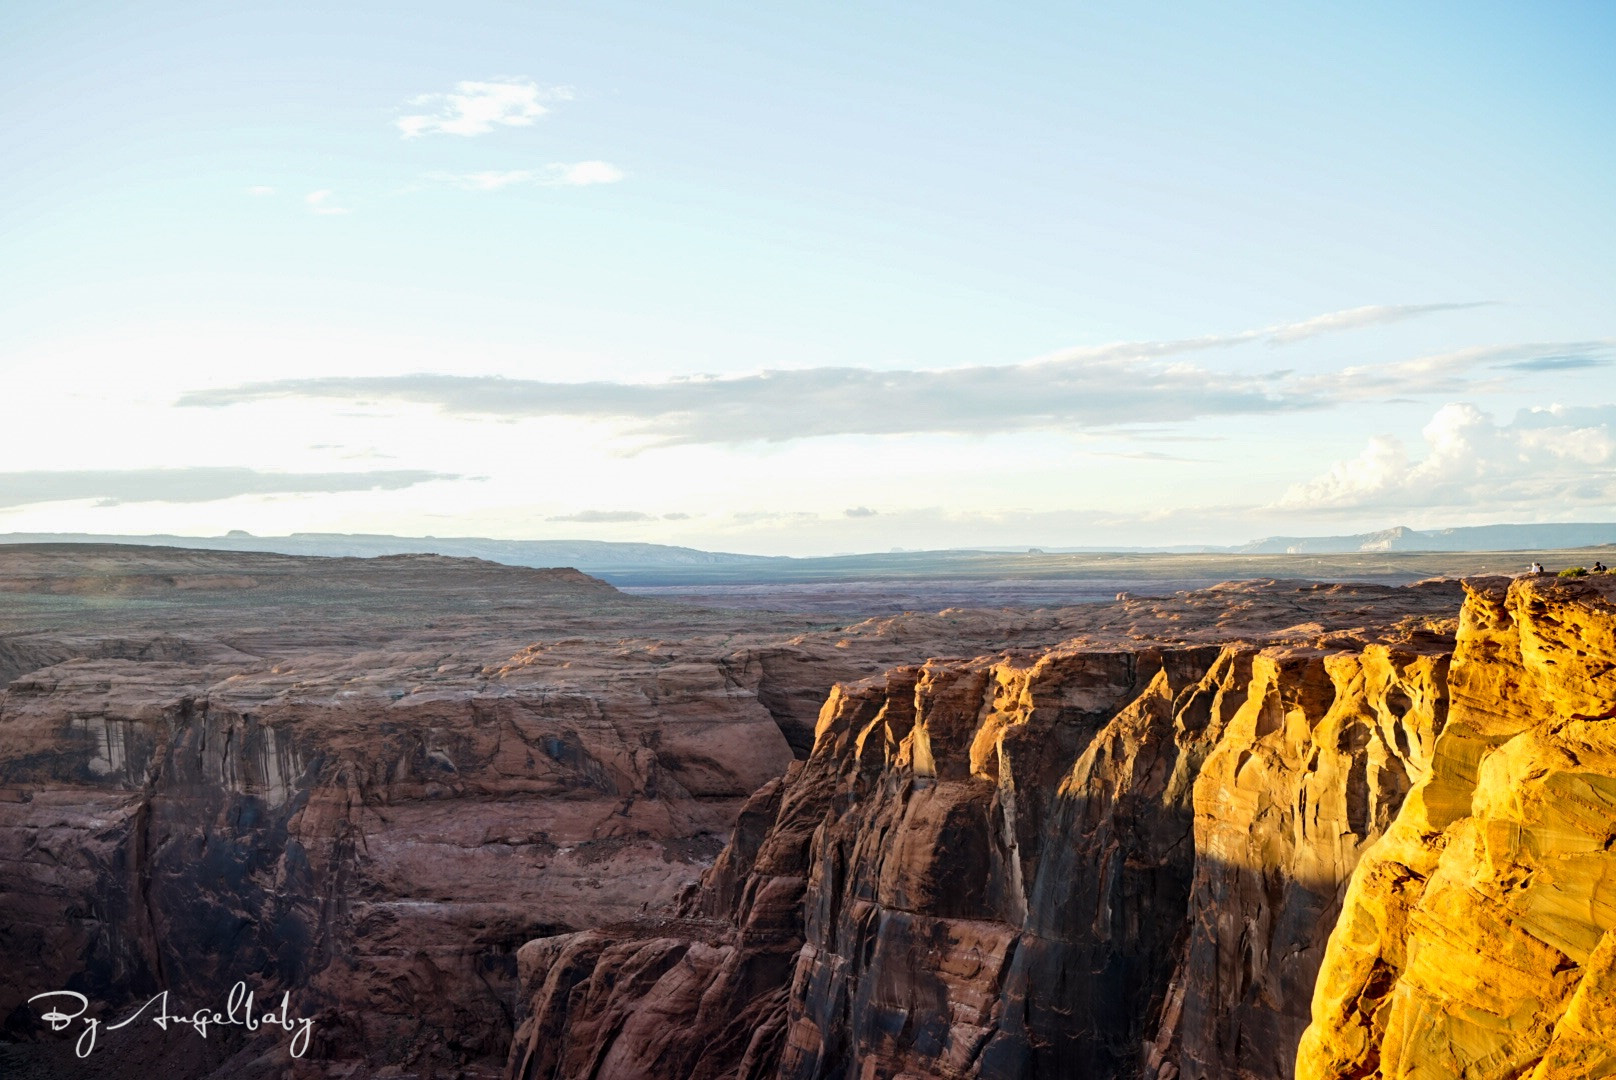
1095 859
1094 863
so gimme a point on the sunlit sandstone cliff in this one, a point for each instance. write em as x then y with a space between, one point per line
1476 939
1078 862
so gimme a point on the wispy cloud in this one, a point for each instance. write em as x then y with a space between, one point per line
580 174
1333 322
319 202
779 405
1559 363
556 174
490 180
1358 318
260 190
1108 386
111 487
604 517
1142 455
477 108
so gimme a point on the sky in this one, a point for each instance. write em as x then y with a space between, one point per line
807 278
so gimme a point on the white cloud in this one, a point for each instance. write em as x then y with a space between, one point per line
1332 322
1456 371
476 108
485 181
580 174
192 484
1550 456
605 517
320 203
556 174
260 190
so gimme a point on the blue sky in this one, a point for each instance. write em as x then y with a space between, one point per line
807 278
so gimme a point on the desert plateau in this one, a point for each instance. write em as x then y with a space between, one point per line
491 821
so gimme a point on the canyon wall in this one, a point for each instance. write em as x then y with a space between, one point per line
1080 861
162 829
1477 937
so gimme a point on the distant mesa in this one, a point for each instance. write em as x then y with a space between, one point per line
1471 538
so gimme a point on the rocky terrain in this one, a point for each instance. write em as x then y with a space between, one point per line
1120 863
1478 938
1086 860
486 820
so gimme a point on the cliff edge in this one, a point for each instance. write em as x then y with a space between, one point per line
1476 938
1085 860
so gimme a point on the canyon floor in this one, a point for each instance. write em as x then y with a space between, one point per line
483 820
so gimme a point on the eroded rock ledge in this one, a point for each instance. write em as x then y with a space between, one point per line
1083 861
1476 939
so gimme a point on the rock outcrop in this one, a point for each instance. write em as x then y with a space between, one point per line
386 856
1079 861
1477 938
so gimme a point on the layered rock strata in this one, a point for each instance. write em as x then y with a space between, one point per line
1478 938
1080 861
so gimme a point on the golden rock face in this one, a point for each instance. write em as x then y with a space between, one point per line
1476 936
1146 861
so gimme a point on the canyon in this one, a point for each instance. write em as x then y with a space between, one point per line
486 821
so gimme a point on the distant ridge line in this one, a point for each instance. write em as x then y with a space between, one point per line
583 554
1466 538
606 556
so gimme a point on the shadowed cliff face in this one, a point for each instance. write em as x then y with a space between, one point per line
1310 769
386 859
1084 862
1478 938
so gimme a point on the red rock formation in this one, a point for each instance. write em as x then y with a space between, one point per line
1079 862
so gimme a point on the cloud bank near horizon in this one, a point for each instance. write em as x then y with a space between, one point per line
113 487
1092 388
1560 455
